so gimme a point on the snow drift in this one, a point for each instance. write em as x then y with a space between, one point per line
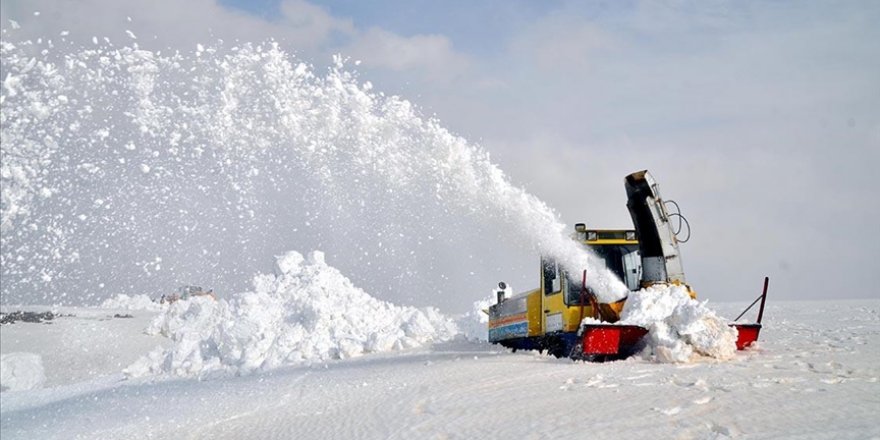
473 325
306 312
680 328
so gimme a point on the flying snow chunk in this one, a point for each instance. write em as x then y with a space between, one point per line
145 168
287 263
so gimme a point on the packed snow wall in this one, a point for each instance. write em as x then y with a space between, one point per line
305 312
134 171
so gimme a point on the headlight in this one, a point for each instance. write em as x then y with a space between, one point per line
631 235
592 236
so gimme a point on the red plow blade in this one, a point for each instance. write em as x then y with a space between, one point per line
611 340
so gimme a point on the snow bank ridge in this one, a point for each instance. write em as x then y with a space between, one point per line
306 312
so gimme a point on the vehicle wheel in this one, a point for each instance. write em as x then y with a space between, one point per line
557 348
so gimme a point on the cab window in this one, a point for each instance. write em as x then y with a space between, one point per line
575 282
624 261
552 280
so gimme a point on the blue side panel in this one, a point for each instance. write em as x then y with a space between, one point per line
515 330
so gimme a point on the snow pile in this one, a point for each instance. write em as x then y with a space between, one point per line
680 328
133 302
21 371
307 312
473 325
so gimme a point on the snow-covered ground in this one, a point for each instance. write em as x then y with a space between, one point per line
814 374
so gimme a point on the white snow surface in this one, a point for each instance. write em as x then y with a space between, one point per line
813 375
21 371
306 312
680 328
131 302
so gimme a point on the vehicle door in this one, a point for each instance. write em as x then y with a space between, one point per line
551 296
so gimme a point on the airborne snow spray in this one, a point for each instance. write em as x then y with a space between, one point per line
128 170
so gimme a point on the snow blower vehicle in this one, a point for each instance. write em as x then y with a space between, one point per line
551 317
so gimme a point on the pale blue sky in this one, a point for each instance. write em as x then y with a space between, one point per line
474 27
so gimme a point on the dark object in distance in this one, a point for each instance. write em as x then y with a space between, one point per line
9 318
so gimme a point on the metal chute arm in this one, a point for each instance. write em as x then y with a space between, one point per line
661 259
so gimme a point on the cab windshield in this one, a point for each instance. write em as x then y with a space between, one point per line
622 259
